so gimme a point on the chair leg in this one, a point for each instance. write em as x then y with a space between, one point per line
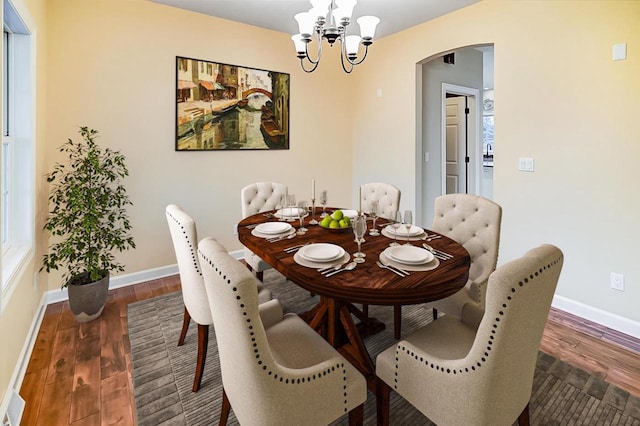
397 321
435 314
523 418
185 326
365 310
356 416
224 411
383 392
259 275
203 344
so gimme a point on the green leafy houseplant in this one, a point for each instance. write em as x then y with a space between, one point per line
88 214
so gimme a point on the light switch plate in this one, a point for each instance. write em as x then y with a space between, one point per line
619 51
526 164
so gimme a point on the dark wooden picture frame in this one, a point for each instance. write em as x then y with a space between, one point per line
222 107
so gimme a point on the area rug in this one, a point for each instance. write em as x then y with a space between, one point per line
163 372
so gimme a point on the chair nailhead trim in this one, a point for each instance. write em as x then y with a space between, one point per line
404 350
268 369
196 265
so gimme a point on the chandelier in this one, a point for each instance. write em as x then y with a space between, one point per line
328 20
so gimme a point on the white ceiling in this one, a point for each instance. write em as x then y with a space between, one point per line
395 15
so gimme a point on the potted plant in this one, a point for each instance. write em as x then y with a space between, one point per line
88 221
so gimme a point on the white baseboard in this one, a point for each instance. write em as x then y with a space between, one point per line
613 321
20 368
54 296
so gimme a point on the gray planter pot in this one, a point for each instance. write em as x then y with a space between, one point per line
87 301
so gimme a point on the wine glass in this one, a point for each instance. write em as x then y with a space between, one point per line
359 224
303 208
323 202
373 212
396 222
408 221
280 204
289 210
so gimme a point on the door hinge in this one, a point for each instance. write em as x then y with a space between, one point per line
467 159
466 110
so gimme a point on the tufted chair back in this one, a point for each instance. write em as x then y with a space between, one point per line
269 371
185 244
261 196
387 196
479 370
474 222
255 198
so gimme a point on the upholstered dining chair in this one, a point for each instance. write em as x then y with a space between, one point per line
474 222
196 304
387 196
276 369
255 198
477 369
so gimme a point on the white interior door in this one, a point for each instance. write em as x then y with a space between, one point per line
455 146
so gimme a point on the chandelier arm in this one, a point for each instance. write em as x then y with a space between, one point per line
314 65
358 62
318 53
342 56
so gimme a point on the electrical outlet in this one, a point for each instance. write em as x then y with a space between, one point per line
617 281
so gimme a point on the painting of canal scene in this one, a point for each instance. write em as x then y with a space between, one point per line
228 107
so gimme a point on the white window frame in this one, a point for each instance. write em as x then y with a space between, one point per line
17 158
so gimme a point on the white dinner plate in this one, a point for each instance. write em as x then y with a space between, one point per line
289 212
259 234
350 213
411 255
273 228
321 252
402 231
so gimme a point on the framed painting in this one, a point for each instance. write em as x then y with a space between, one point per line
222 107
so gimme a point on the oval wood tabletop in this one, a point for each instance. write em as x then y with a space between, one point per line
367 283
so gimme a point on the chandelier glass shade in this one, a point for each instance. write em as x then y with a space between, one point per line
328 20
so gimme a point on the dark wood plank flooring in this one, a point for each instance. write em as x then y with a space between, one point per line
81 374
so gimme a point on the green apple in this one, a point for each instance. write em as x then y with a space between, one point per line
346 219
343 224
325 221
337 215
334 224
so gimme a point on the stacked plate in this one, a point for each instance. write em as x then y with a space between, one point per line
290 213
409 255
319 255
402 231
410 258
272 229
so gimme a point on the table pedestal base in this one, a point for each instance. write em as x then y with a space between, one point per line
332 319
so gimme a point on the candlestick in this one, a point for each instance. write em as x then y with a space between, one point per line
313 220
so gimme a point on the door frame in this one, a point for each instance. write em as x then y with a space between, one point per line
474 142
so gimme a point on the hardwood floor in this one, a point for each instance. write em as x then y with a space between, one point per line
81 374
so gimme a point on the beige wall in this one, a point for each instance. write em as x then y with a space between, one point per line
560 99
16 319
112 67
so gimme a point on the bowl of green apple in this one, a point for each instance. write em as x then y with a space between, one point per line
336 221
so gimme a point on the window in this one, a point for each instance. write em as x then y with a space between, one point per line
17 159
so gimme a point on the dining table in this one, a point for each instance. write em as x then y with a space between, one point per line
366 284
